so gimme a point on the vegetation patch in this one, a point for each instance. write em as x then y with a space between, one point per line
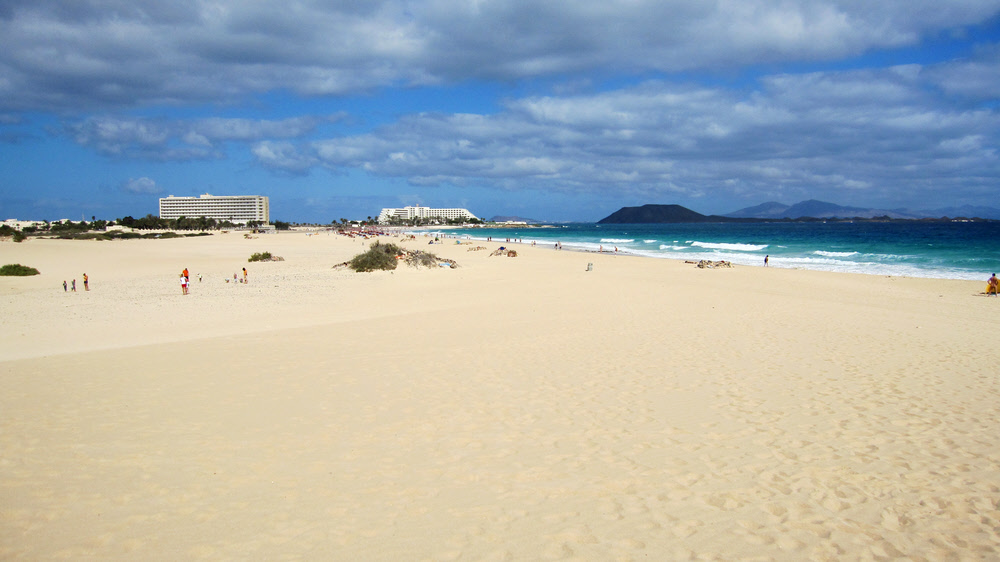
387 256
83 236
418 258
17 270
16 235
382 257
260 256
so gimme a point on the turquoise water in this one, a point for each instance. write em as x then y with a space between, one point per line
959 250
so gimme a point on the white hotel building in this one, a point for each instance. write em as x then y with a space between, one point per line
409 213
233 208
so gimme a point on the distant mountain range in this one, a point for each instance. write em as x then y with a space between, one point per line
823 210
805 210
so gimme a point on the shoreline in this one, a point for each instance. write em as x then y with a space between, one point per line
747 258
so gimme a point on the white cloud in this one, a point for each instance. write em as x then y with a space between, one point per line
821 129
141 186
283 156
161 139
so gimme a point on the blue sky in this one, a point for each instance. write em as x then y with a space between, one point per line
547 110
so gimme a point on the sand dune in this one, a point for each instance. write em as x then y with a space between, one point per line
511 409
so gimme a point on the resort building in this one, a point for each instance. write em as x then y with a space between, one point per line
409 213
237 209
21 225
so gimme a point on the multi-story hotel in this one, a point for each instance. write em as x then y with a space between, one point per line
409 213
233 208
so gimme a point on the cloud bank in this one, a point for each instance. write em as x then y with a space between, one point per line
833 132
69 55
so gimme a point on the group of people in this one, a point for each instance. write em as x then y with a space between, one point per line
185 281
86 284
236 277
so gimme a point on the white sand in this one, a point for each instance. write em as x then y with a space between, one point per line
511 409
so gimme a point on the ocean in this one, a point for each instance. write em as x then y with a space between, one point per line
947 250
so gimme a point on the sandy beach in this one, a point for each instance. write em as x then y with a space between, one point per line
509 409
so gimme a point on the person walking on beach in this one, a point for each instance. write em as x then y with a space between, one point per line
86 282
244 276
184 285
64 286
73 286
765 259
991 285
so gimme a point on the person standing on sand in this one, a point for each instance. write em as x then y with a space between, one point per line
64 286
765 259
244 276
73 286
991 285
86 282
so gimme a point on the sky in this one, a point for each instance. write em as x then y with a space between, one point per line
556 111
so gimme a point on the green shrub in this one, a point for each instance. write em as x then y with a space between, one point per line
260 256
16 269
83 236
378 257
19 236
422 259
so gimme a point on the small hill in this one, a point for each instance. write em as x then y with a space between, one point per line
652 214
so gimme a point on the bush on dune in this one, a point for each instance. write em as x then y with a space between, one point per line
18 270
378 257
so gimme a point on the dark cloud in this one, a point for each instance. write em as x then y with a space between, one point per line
89 54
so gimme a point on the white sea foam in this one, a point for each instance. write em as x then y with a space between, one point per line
730 247
649 241
674 248
835 254
617 240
